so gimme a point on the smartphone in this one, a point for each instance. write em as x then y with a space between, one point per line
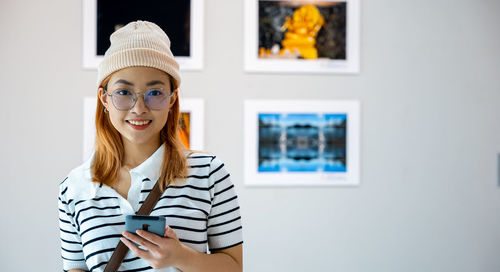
154 224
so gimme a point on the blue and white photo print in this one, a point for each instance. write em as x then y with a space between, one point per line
301 142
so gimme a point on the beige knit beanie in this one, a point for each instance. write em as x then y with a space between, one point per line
139 43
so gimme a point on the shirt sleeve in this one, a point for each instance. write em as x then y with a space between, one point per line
224 227
71 244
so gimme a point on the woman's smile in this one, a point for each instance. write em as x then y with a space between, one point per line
139 124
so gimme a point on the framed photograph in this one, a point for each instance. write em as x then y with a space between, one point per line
302 143
302 36
182 20
191 124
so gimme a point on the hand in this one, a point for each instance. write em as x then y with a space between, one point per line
160 251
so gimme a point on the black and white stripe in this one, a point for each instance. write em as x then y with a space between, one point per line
203 211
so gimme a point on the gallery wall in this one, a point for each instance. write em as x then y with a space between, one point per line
429 88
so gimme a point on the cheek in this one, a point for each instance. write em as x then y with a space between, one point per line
161 118
116 120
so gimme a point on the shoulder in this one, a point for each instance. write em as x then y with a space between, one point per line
197 157
194 157
201 160
206 166
77 183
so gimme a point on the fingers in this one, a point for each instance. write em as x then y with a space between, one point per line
140 240
141 253
149 236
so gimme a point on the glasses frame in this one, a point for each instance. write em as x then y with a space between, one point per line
134 98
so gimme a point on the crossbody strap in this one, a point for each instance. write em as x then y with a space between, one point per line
121 249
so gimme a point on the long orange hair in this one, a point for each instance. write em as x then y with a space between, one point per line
109 151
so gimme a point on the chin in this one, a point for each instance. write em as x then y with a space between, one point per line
142 139
135 139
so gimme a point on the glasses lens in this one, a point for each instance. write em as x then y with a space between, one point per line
123 99
157 99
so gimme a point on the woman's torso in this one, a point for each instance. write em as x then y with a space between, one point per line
99 211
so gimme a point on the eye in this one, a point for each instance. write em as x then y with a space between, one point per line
155 92
123 92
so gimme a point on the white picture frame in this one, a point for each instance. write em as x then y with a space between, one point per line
255 111
349 65
193 62
195 106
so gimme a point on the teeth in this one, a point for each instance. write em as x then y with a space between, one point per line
138 123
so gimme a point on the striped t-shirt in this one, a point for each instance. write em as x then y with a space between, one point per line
203 211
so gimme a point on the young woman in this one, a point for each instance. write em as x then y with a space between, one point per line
138 145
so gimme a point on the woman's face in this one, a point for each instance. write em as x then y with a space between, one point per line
140 124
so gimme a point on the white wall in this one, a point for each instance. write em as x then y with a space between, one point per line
430 93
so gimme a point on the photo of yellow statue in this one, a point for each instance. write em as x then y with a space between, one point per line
302 28
308 30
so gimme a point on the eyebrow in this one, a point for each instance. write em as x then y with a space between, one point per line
154 82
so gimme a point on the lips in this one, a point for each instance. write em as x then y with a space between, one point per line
139 124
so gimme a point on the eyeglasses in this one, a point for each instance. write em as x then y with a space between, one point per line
155 99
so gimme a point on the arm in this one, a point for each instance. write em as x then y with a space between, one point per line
230 259
71 245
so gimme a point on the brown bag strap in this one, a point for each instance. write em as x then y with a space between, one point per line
121 249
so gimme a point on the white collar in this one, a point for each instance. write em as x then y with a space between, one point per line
150 168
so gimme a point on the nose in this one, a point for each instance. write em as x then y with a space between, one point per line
140 105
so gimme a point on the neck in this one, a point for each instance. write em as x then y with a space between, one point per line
135 153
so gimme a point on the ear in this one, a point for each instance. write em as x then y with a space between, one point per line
173 99
103 97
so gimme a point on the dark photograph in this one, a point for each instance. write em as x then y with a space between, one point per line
172 16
